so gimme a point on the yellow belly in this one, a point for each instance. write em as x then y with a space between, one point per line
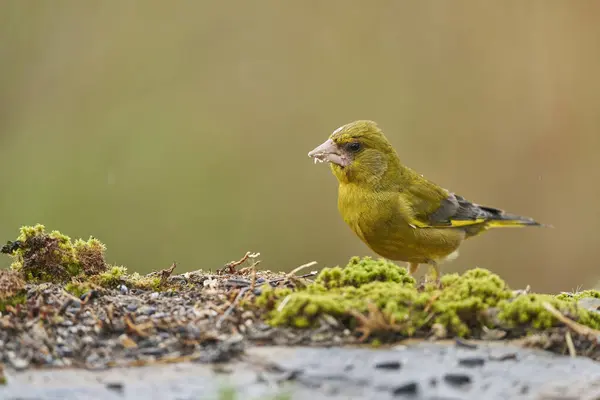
375 218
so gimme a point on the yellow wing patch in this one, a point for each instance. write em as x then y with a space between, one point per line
454 223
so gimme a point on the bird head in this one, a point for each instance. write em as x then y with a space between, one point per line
357 152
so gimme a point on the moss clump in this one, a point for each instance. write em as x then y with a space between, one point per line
360 271
461 306
78 288
143 282
579 295
112 278
528 311
117 275
52 257
90 256
12 289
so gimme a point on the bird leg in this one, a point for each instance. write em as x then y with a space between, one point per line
412 268
436 272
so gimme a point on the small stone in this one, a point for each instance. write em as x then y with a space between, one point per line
132 307
154 295
116 386
471 362
457 379
18 363
463 343
153 351
409 388
123 289
147 310
88 340
65 351
391 365
503 357
91 295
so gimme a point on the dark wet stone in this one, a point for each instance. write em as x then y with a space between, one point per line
405 389
65 351
91 295
504 357
471 362
457 379
73 310
393 365
115 386
463 343
153 351
147 310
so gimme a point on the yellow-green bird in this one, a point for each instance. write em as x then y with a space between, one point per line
395 211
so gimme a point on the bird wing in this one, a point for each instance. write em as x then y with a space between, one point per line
453 211
434 206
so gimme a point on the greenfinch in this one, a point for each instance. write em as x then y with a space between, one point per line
395 211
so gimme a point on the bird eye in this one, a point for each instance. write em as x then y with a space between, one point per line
354 146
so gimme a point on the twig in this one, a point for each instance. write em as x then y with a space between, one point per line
230 266
165 274
283 303
253 282
570 344
303 266
231 307
137 329
373 321
578 328
277 280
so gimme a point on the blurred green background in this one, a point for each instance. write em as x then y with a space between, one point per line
178 131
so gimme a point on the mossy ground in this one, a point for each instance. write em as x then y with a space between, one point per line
375 298
42 257
382 298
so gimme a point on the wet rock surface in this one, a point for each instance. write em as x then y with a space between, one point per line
419 371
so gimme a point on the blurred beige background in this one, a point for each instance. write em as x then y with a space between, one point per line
179 130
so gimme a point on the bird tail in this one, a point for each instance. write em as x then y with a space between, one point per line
501 219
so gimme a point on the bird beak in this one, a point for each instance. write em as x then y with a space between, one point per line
329 152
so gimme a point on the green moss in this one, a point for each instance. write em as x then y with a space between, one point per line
112 278
361 271
54 257
118 275
462 305
579 295
528 311
143 282
12 289
90 256
77 288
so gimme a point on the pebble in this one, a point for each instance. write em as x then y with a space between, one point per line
147 310
17 362
408 388
457 379
123 289
471 362
132 307
154 295
390 365
116 386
